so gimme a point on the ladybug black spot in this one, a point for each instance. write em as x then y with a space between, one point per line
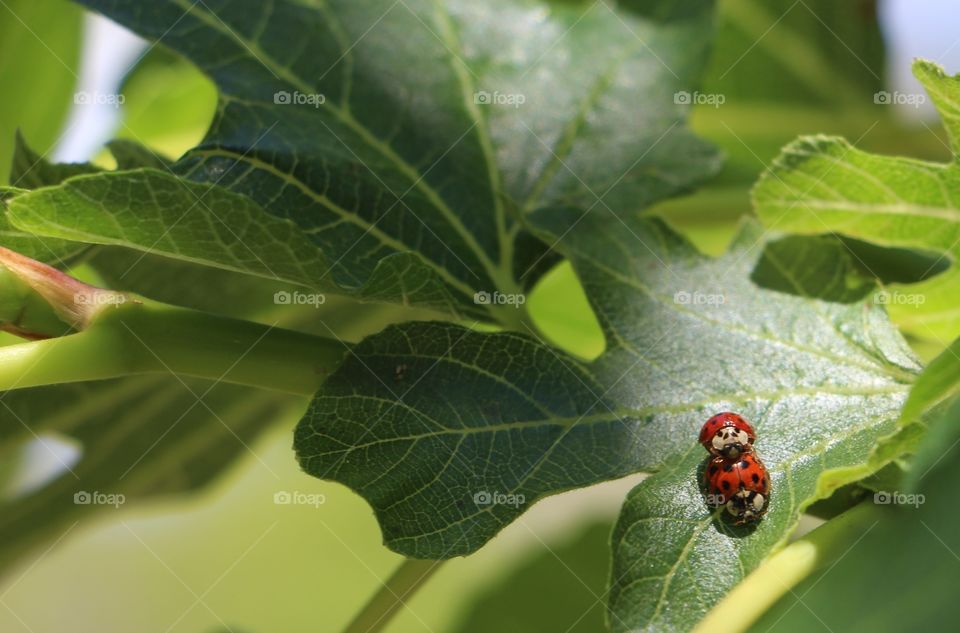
725 485
727 468
756 477
713 469
744 464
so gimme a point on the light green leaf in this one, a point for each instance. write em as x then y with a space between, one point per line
821 63
430 152
139 437
424 419
168 103
39 53
913 537
823 184
944 91
45 249
939 381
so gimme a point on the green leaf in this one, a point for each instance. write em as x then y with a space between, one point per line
820 267
39 53
241 296
524 594
424 417
819 54
913 538
944 91
30 170
131 155
33 171
821 63
189 221
422 151
45 249
824 184
139 437
168 103
939 381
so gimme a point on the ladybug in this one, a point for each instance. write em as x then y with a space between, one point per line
742 485
727 435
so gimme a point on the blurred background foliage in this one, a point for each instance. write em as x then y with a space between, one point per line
226 555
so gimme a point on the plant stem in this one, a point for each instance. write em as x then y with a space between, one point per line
399 588
779 574
137 338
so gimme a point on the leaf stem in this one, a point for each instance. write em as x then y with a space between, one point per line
146 337
779 574
395 592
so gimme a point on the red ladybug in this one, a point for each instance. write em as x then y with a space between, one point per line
727 435
743 486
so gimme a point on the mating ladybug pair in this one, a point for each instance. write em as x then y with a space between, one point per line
734 475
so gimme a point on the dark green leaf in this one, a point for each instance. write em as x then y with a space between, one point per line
131 155
424 417
31 170
820 267
412 173
97 209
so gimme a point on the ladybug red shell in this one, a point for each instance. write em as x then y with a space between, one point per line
742 485
727 435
